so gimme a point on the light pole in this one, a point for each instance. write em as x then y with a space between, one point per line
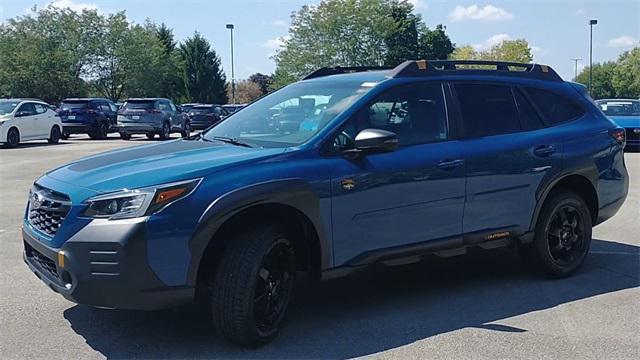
591 23
233 77
575 60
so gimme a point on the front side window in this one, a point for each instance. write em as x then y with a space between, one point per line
416 113
555 108
27 109
487 109
291 115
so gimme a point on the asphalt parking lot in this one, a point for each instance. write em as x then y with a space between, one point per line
483 305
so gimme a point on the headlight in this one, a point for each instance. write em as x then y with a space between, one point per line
128 204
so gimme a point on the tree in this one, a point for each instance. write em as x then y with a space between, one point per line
626 77
602 80
171 80
355 33
205 82
263 81
507 50
246 91
68 39
127 62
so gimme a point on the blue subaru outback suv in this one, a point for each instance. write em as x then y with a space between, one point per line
430 157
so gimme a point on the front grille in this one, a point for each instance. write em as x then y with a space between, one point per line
631 134
47 209
46 264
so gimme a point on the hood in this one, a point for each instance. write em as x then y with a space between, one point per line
626 121
154 164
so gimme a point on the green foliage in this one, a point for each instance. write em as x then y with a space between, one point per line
615 79
204 79
263 81
55 53
246 91
46 53
356 33
508 50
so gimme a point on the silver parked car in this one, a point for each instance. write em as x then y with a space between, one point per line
152 116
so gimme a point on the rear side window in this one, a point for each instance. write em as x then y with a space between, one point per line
555 108
529 118
487 109
40 109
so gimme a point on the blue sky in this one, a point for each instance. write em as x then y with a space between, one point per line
556 30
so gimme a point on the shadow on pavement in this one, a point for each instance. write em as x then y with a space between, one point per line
372 311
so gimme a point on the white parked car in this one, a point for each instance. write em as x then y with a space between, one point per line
28 119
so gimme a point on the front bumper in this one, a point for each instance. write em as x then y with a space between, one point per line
105 265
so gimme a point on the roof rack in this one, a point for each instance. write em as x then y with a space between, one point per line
326 71
414 68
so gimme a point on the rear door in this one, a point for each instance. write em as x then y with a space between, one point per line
509 153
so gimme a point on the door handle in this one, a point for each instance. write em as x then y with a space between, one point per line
449 164
544 150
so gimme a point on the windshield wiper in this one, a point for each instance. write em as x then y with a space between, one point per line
228 140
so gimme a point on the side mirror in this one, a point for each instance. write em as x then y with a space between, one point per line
371 141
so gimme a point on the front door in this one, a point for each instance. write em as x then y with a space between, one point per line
412 195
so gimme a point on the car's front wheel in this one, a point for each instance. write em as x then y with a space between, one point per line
54 136
562 236
13 138
252 286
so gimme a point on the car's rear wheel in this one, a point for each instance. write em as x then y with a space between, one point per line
562 236
187 129
125 135
54 136
13 138
165 133
103 131
151 135
252 286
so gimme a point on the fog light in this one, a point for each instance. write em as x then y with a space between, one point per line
61 259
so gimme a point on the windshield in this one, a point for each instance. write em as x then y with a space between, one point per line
68 105
139 105
620 108
6 107
289 116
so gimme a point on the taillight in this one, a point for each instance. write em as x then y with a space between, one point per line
618 135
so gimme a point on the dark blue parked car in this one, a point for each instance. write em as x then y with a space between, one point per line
93 116
625 113
425 158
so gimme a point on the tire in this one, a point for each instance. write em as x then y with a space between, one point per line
151 135
54 136
125 136
247 285
187 129
165 133
562 236
64 136
13 138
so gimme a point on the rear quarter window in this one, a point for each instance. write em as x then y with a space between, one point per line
555 108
